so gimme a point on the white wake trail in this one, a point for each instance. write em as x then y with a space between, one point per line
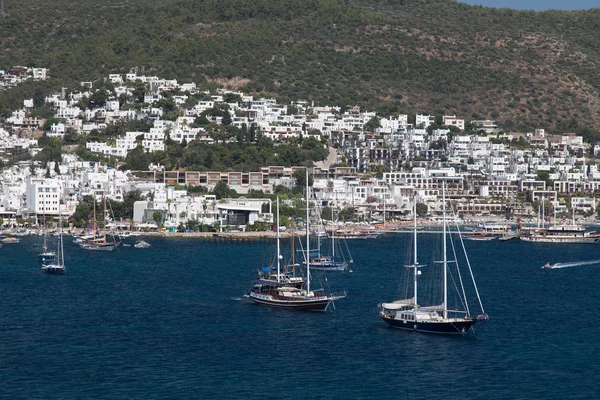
575 264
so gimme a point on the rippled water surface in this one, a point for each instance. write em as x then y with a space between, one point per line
168 322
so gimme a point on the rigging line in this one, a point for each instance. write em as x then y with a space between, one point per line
462 285
114 219
462 242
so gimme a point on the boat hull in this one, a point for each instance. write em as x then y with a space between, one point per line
480 239
564 240
53 269
312 304
97 248
329 267
444 327
367 236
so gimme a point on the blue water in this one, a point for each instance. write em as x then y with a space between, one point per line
167 322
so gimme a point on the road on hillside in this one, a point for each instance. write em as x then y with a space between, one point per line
329 161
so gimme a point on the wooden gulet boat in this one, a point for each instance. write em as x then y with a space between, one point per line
287 295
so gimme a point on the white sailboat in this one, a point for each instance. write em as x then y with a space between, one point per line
408 314
57 265
288 295
46 255
322 262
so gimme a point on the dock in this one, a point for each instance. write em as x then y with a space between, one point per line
508 237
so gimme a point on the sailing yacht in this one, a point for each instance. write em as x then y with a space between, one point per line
322 262
46 255
57 265
410 315
100 244
281 276
284 295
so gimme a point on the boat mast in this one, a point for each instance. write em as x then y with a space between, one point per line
293 240
307 238
415 262
319 240
445 263
278 252
44 226
95 227
332 237
543 212
104 216
61 249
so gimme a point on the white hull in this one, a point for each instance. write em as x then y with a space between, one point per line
53 269
369 236
316 303
560 239
93 247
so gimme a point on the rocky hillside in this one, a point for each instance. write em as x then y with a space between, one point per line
522 68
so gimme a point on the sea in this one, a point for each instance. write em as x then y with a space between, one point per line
171 322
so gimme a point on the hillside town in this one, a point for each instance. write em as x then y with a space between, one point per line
376 166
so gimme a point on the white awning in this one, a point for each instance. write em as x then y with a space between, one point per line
399 304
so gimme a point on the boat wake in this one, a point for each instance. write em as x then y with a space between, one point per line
574 264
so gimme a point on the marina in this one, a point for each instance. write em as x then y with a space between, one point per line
141 320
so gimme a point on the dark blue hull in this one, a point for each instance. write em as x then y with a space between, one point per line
450 328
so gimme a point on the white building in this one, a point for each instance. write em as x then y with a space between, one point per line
424 120
43 195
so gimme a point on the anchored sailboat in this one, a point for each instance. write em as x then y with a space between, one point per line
438 318
46 255
100 244
267 277
57 266
288 295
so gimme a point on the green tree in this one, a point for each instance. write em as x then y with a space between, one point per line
221 190
226 118
157 218
421 209
232 98
83 212
327 213
300 176
373 124
545 176
138 159
258 226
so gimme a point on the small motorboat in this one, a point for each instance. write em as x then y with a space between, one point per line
141 244
547 266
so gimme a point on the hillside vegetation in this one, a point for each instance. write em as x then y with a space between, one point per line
524 69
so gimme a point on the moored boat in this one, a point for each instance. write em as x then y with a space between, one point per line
290 296
57 264
575 234
409 314
142 244
480 237
101 243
